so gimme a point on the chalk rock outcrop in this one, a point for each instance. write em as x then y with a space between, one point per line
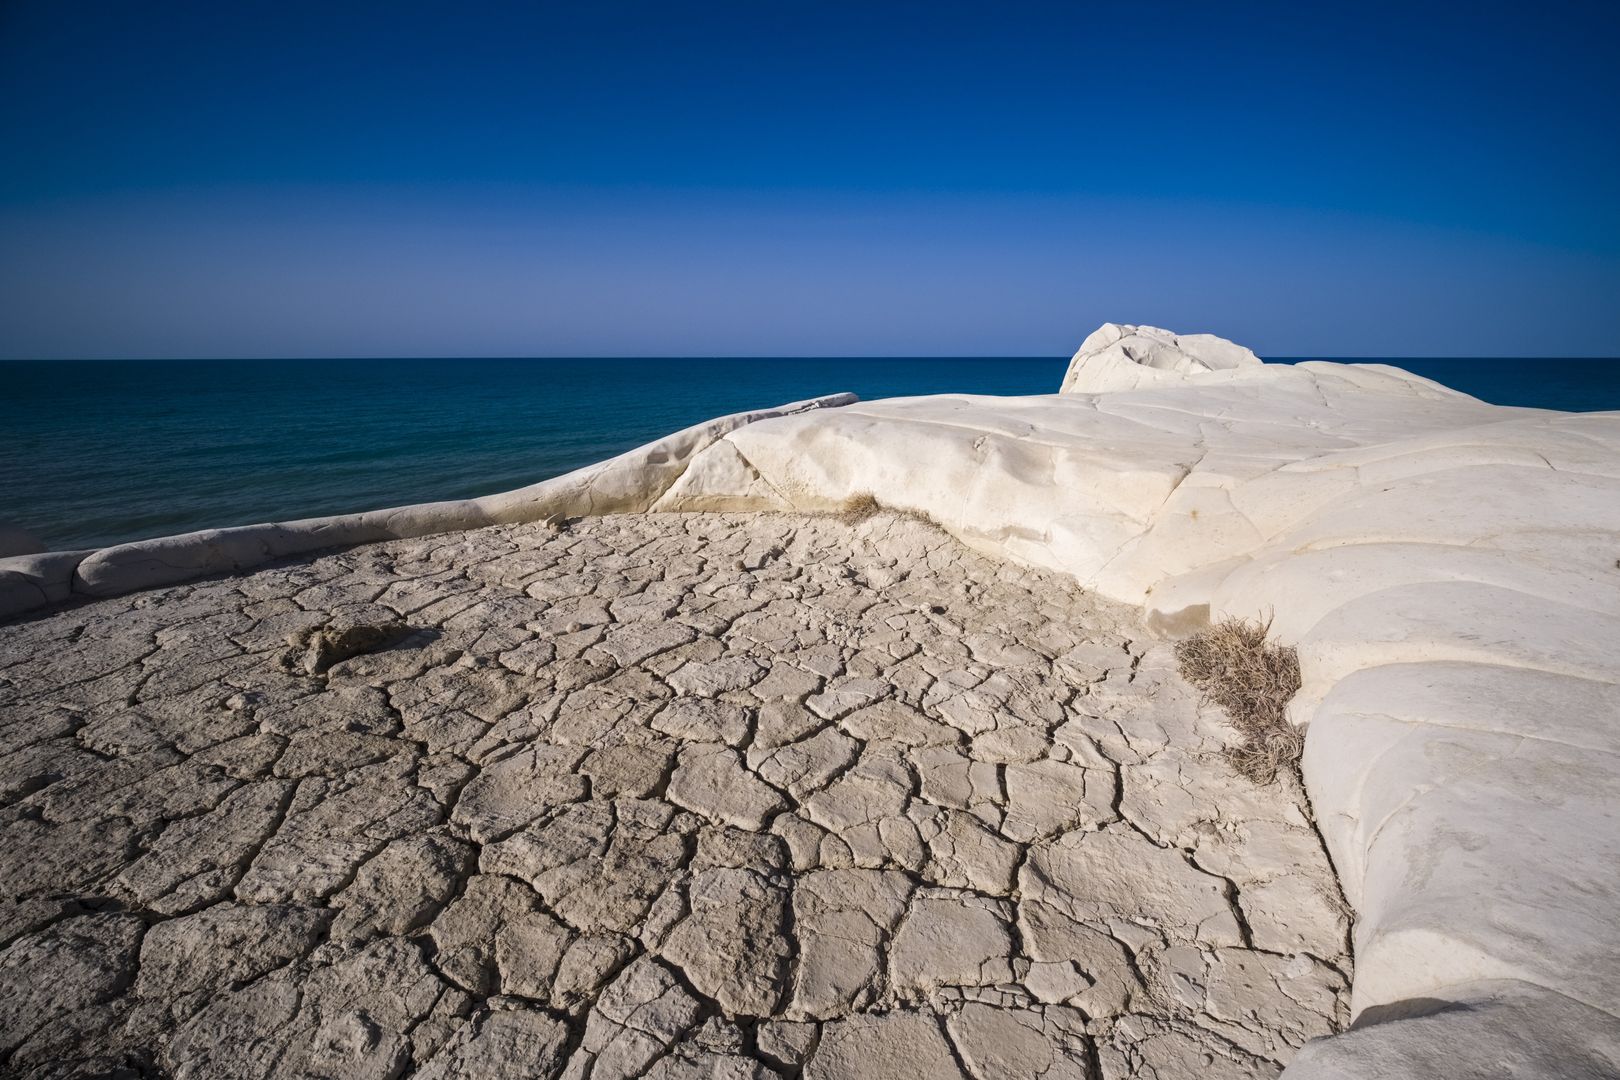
1448 572
1117 357
625 484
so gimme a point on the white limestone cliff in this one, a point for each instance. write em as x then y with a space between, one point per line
1120 357
628 483
1446 568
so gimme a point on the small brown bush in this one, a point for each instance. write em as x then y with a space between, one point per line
858 508
862 505
1234 668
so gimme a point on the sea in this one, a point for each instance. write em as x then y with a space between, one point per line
101 452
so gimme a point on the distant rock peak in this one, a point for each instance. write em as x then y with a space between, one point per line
1119 356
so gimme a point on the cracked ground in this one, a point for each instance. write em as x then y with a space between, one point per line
648 795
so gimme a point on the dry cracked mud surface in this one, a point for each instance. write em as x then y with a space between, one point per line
649 795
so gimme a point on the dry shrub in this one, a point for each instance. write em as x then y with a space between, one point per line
1231 664
862 505
858 508
921 517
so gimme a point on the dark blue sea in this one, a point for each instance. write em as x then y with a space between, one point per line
97 452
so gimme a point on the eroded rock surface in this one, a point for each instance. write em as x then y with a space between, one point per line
661 795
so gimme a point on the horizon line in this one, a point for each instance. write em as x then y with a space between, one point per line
1278 357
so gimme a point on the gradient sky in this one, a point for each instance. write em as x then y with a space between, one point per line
597 178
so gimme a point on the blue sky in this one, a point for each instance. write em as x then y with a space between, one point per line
237 180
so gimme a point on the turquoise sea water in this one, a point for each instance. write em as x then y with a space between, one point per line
94 453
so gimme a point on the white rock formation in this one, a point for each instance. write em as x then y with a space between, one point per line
1117 357
1447 569
627 483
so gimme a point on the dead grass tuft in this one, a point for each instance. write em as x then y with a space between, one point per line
857 508
1234 668
863 504
919 516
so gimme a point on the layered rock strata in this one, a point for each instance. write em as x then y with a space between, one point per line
1449 571
1116 357
624 484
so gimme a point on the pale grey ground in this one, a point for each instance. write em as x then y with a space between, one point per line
679 796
